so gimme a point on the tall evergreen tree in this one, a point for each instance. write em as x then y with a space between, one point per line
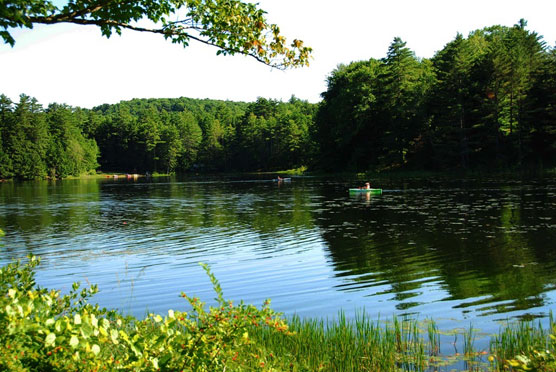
191 137
525 55
347 130
28 139
69 152
6 117
401 101
450 104
540 115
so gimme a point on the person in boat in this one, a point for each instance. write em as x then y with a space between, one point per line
367 186
279 178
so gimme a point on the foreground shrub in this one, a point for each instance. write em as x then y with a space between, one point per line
45 331
42 330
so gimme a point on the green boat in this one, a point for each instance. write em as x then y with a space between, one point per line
368 191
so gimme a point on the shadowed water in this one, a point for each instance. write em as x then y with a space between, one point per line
457 251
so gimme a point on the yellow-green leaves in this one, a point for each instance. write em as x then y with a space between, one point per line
103 331
94 321
74 341
60 325
95 349
50 339
154 362
114 336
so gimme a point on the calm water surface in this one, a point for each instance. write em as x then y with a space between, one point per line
458 251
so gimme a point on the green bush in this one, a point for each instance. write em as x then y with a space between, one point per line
45 331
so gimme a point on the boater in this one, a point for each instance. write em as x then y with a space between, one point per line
367 186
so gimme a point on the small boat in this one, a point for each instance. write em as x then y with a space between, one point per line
370 191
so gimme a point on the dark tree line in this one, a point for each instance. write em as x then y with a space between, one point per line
485 101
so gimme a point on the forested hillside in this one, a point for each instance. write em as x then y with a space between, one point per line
153 135
169 135
486 101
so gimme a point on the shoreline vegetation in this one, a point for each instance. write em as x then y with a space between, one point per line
303 171
118 175
48 331
103 175
484 101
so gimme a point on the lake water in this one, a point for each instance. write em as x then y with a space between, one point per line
463 251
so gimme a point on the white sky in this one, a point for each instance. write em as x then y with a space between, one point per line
77 66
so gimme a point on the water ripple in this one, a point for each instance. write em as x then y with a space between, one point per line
458 250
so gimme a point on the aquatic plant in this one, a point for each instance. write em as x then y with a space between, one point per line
525 346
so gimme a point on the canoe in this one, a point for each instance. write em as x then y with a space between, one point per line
369 191
282 180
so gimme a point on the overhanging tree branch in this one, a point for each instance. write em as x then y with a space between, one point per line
233 27
62 17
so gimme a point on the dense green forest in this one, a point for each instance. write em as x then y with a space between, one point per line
178 135
38 143
485 101
154 135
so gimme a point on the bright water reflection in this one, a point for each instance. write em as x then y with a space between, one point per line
459 250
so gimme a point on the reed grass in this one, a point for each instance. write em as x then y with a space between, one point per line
518 338
398 344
